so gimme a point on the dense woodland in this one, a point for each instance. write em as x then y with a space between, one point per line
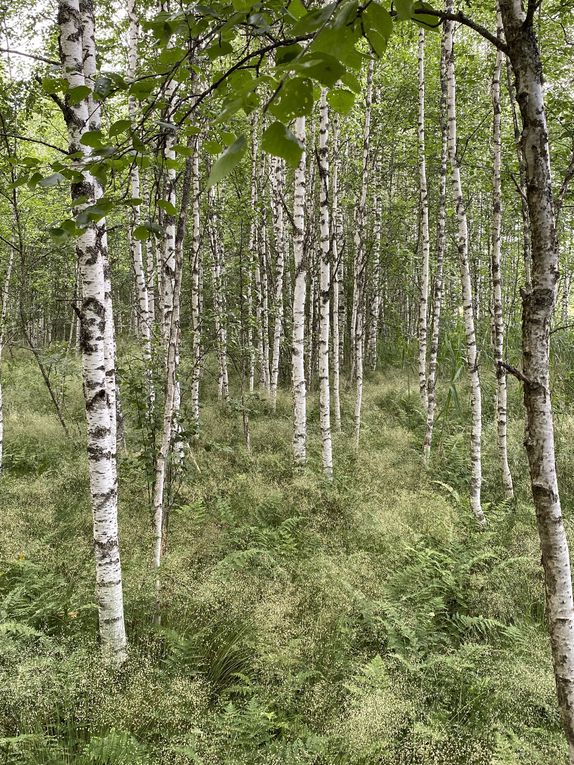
286 321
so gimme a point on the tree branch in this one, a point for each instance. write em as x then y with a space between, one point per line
50 61
19 137
462 19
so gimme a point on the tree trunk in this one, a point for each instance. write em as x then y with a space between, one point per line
324 289
336 276
100 411
358 325
3 315
467 302
438 277
425 236
495 254
299 296
538 304
277 184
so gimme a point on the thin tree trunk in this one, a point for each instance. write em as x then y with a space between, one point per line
217 267
336 275
277 182
299 296
467 302
358 325
195 285
3 315
324 289
496 248
100 412
538 304
425 235
438 278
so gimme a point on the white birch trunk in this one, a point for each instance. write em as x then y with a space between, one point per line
324 288
217 265
467 301
100 411
496 263
440 251
3 315
358 323
299 296
425 235
538 302
195 293
336 272
277 183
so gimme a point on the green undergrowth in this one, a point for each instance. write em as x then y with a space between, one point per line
360 622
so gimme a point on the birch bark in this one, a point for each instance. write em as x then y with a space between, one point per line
425 235
277 182
467 300
324 288
537 308
299 296
3 315
100 411
496 271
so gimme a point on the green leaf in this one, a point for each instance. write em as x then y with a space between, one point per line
51 180
228 160
339 42
168 207
52 85
296 9
212 147
341 100
295 99
184 151
352 82
93 138
141 233
378 26
118 127
78 94
220 49
288 53
424 19
404 9
322 67
280 141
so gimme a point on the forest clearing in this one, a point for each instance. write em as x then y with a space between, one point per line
286 390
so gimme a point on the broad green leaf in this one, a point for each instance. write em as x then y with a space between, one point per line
341 100
296 9
288 53
184 151
92 138
228 160
78 94
119 126
339 42
295 99
322 67
142 89
378 26
280 141
212 147
51 85
141 233
351 81
51 180
424 19
404 9
167 207
220 49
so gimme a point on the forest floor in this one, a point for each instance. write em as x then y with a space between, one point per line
360 622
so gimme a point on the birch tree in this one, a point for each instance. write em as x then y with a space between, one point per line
3 316
495 250
299 296
424 225
324 288
538 303
100 411
466 284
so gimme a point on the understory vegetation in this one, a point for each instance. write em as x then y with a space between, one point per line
363 621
